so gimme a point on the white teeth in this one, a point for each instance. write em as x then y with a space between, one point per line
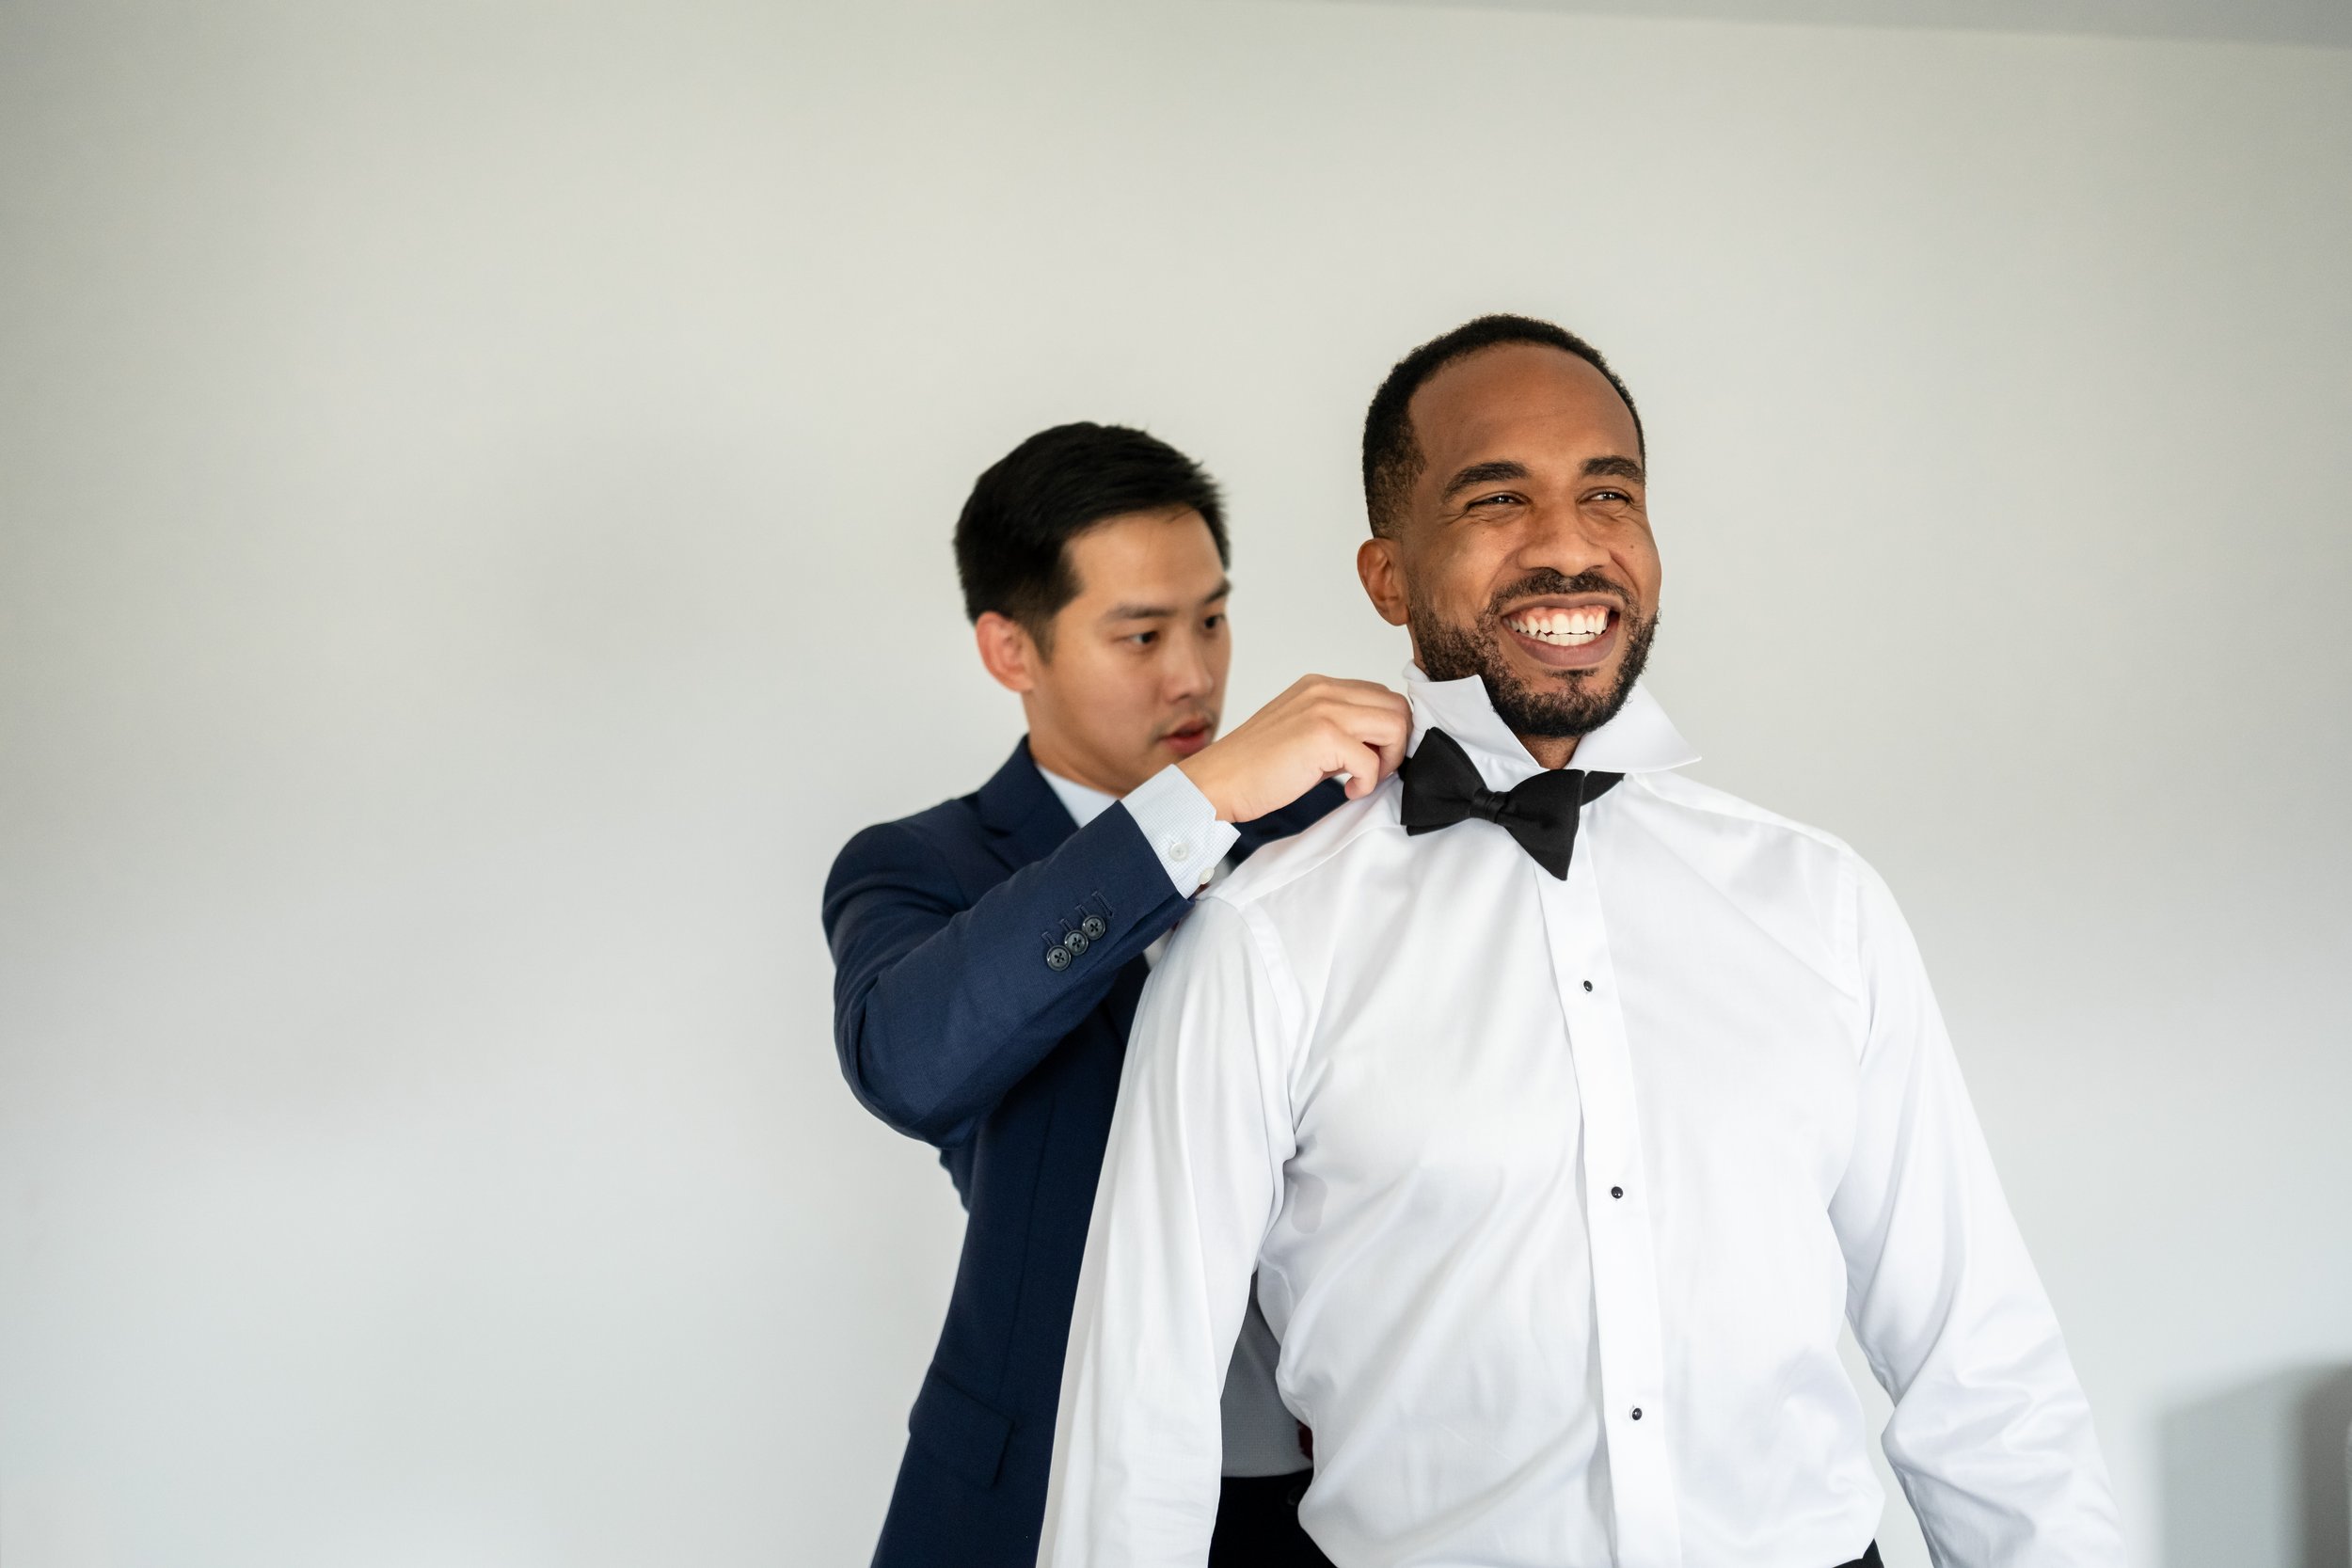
1568 628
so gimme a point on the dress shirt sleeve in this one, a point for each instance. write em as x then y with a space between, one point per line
1991 1435
1189 1185
1180 826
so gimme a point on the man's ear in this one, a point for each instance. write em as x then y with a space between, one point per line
1007 652
1383 578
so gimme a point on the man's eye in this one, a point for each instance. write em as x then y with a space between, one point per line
1143 639
1211 623
1610 495
1500 499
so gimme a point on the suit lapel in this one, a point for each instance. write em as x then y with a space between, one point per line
1025 819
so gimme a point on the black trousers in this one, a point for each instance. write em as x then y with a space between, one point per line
1256 1527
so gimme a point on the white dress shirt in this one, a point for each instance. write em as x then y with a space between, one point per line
1558 1195
1259 1434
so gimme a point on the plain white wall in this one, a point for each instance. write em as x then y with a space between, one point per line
475 488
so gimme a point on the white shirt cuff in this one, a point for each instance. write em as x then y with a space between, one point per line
1182 827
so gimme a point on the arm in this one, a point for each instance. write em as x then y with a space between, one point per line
1991 1435
939 1009
1190 1182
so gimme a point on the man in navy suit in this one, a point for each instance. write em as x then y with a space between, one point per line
988 952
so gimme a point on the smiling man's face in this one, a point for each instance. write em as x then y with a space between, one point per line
1524 554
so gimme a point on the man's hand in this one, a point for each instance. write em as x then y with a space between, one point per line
1320 727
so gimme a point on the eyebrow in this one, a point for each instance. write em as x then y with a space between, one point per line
1482 473
1162 612
1502 468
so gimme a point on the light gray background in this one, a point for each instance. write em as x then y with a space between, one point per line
474 487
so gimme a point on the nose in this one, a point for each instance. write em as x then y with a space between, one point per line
1188 672
1562 538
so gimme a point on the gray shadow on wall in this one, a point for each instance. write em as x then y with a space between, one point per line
2255 1478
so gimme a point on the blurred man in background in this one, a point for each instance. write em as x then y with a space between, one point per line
989 954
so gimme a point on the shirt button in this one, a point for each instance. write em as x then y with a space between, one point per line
1588 985
1616 1192
1637 1412
1179 851
1058 958
1093 927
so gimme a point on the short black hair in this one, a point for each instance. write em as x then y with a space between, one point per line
1013 539
1393 458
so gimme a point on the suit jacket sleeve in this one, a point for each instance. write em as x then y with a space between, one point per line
942 1004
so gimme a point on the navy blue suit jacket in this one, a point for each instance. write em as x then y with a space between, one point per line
953 1028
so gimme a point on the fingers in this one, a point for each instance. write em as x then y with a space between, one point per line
1384 731
1356 693
1363 728
1365 771
1320 727
1380 747
1383 716
1360 697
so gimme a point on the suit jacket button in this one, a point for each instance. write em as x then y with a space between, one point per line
1075 941
1060 959
1093 927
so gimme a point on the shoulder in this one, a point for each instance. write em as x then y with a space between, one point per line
1318 851
1806 886
943 828
1296 817
930 843
1705 806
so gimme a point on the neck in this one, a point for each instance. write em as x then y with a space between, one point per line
1551 750
1055 759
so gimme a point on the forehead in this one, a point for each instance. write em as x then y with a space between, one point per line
1126 557
1523 400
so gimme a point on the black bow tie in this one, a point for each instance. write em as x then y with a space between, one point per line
1442 787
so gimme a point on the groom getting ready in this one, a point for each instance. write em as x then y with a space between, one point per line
988 954
1563 1109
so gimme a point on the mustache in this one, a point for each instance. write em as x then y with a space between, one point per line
1546 581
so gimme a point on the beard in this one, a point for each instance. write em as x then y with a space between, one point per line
1572 703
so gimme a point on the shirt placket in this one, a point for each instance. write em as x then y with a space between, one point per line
1625 1313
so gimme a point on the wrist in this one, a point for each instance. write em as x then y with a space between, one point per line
1208 778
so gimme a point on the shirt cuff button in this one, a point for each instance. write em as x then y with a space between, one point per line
1179 851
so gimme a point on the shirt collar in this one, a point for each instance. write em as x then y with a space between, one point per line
1082 801
1640 739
